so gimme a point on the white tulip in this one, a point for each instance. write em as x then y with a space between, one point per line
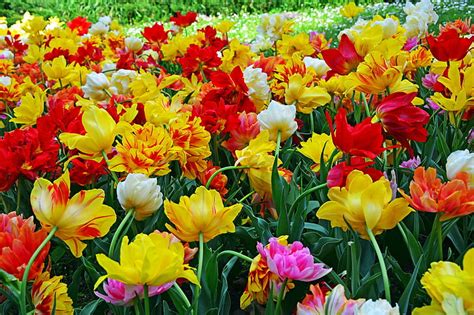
133 43
97 86
320 66
278 117
5 81
259 90
378 307
460 161
141 194
121 79
98 28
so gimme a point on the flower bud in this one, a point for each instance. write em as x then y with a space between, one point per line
140 193
278 117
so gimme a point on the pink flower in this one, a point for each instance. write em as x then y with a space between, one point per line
119 293
293 262
412 163
429 80
410 43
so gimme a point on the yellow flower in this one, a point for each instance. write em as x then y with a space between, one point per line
30 109
56 69
462 91
48 293
362 203
224 26
317 145
351 10
100 134
34 54
450 288
257 157
305 98
204 213
83 217
375 75
236 55
144 149
290 45
150 260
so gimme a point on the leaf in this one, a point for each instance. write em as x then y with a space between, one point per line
324 246
404 301
11 283
225 302
414 247
90 307
278 184
316 227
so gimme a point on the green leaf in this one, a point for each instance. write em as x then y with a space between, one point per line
404 301
90 307
278 184
225 302
414 247
11 283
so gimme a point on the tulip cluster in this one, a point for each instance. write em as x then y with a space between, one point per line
132 165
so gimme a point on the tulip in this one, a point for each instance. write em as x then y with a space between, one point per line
319 146
133 43
202 213
378 307
351 10
318 65
278 118
97 87
83 217
461 161
140 194
49 295
100 134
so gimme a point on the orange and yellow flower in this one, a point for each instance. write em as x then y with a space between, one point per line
50 295
83 217
202 213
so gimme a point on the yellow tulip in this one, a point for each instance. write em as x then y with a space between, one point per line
202 213
362 203
150 260
290 45
83 217
450 288
56 69
30 109
256 156
305 98
351 10
100 134
317 145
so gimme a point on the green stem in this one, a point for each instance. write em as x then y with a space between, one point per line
280 297
366 105
183 296
146 299
246 196
383 268
277 148
24 281
112 173
232 167
303 195
234 253
439 236
118 232
199 273
136 308
355 268
18 195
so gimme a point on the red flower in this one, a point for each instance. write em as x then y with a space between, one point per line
199 61
402 120
337 175
343 59
80 25
184 20
242 129
449 46
18 242
364 139
87 53
86 172
155 33
218 183
268 64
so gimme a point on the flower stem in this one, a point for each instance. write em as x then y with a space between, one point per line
146 299
304 194
232 167
183 296
439 236
277 148
112 173
280 297
234 253
24 281
118 232
383 268
199 273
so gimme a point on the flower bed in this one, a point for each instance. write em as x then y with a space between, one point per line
190 172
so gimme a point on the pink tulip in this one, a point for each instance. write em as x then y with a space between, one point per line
119 293
293 262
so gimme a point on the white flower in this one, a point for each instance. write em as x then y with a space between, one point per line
133 43
389 27
97 87
98 28
460 161
105 20
5 81
278 117
107 68
419 16
259 90
6 54
320 66
416 25
121 79
378 307
141 194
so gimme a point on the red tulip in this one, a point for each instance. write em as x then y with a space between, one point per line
449 46
343 59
